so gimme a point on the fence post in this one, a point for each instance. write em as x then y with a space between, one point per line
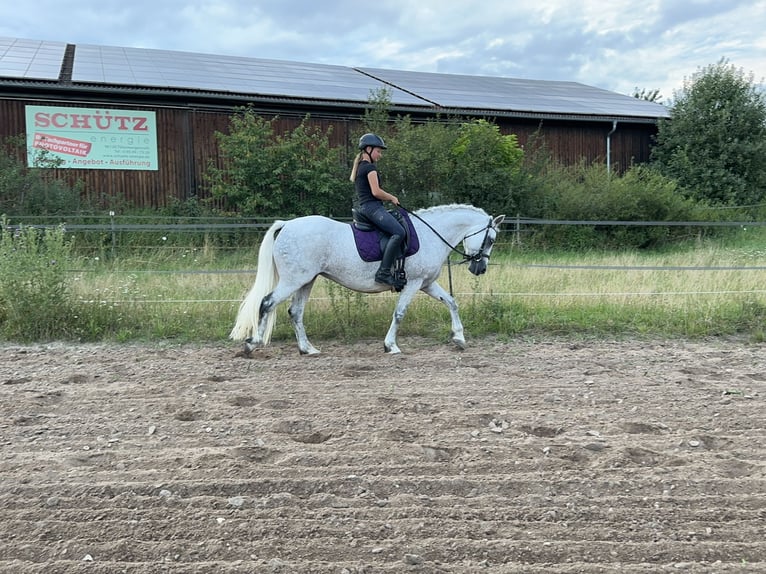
114 235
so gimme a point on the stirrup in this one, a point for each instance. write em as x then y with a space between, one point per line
385 277
400 277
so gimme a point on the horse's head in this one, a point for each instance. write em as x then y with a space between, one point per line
478 245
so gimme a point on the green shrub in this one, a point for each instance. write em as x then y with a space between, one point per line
34 295
270 174
591 193
452 161
32 190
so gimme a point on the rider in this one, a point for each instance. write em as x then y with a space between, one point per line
371 197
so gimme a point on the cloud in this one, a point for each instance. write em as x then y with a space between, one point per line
620 45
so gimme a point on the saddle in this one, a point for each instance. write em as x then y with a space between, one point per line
371 241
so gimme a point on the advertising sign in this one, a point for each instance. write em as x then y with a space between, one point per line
92 138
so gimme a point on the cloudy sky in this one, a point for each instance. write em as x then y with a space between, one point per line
621 45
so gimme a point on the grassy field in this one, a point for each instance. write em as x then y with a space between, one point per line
706 289
176 292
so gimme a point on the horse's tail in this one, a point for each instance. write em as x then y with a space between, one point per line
266 278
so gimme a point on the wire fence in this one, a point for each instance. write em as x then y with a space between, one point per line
167 234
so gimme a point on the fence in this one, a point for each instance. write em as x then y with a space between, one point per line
105 236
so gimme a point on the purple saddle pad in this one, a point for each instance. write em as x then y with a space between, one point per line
368 242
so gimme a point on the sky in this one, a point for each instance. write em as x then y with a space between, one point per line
622 45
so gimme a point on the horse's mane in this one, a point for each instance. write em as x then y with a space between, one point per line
450 207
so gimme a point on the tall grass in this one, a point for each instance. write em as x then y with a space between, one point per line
34 292
678 293
193 295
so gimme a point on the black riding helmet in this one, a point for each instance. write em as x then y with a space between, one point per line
371 140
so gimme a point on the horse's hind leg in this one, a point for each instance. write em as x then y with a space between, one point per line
262 331
267 317
297 306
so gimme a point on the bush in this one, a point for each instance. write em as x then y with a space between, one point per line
30 191
590 193
279 175
417 165
452 161
485 163
34 295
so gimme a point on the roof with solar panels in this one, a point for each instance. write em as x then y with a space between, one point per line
58 65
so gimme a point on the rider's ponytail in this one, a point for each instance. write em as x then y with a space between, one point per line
355 166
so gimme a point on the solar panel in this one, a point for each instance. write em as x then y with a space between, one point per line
31 59
187 70
512 94
165 69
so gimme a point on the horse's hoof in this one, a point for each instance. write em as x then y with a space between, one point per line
249 346
391 349
459 343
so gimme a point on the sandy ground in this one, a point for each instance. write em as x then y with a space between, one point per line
521 456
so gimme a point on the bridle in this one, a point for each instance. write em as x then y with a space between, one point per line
485 244
476 257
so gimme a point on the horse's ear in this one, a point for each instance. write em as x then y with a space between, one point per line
498 220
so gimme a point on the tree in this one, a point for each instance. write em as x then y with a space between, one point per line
278 175
485 164
450 161
648 95
376 117
714 143
417 165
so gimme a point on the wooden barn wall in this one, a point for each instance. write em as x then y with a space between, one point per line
174 178
187 144
572 142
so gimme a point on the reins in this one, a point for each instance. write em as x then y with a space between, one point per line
466 258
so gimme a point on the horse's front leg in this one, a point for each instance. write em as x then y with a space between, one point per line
405 298
437 292
297 306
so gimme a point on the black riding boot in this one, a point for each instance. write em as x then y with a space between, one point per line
393 250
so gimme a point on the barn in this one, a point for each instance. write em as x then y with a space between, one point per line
139 124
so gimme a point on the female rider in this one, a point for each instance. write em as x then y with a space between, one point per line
371 196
